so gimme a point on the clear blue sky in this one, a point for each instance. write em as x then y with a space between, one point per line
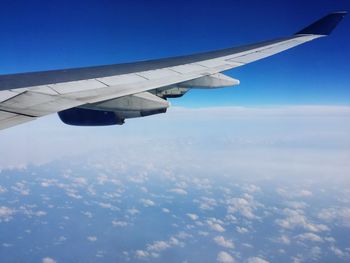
43 35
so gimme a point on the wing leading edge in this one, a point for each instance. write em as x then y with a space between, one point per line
26 96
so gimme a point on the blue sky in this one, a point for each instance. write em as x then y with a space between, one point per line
43 35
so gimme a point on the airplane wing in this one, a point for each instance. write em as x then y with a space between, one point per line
107 95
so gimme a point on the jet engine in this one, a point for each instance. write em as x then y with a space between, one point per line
114 112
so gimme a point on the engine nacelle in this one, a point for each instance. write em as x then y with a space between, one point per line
88 117
115 111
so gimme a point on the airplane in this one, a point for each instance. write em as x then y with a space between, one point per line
110 94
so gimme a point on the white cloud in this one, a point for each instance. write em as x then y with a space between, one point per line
178 191
309 237
297 259
133 211
289 193
241 230
40 213
224 257
337 214
87 214
252 188
165 210
296 218
192 216
315 253
206 203
21 188
147 202
158 246
297 204
2 190
142 254
108 206
7 245
221 241
92 238
244 206
256 260
203 233
153 249
48 260
183 235
79 181
339 253
119 223
215 225
326 119
303 193
6 213
139 178
283 239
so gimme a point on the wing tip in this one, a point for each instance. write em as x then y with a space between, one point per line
325 25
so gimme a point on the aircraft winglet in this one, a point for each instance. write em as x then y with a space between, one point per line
325 25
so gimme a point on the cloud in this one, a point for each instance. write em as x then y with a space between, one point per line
215 225
224 257
296 204
283 239
242 230
303 193
6 213
147 202
7 245
20 187
142 254
2 190
48 182
166 210
252 188
108 206
338 214
183 235
244 206
139 178
87 214
119 223
309 237
241 206
154 249
288 193
206 203
256 260
329 121
48 260
296 218
133 211
221 241
178 191
192 216
315 253
282 111
79 181
340 253
158 246
92 238
297 259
